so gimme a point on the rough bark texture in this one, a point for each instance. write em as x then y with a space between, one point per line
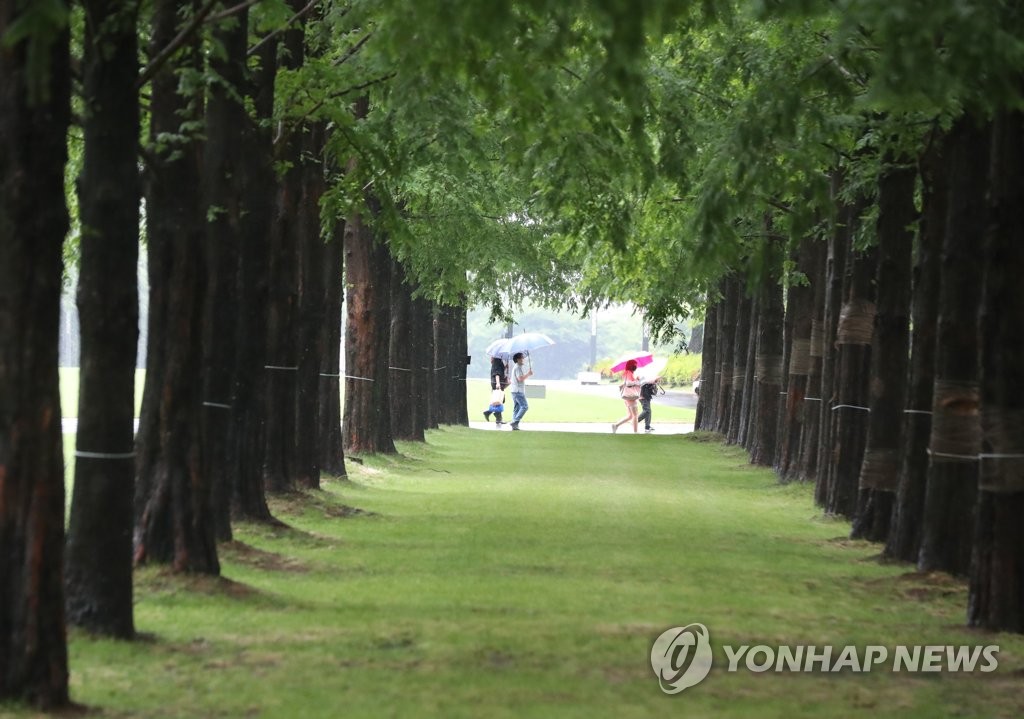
905 535
769 366
367 425
996 596
835 265
173 504
248 498
311 313
450 360
404 362
332 455
853 366
98 575
726 353
739 374
813 400
422 362
33 222
280 462
801 309
879 473
708 361
746 407
955 440
223 191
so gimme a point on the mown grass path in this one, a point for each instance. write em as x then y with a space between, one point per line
525 575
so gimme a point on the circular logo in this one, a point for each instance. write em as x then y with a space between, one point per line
681 657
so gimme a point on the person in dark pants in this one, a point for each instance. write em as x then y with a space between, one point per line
647 392
499 381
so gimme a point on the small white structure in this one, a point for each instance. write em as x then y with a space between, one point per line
589 377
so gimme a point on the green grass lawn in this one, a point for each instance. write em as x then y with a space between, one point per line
499 575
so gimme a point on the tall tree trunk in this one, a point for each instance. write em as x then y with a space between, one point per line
813 401
98 575
838 251
996 598
280 461
739 372
332 455
223 190
905 536
853 366
726 353
426 385
879 472
403 360
367 425
749 377
801 309
33 222
311 310
173 504
248 435
708 362
769 360
952 489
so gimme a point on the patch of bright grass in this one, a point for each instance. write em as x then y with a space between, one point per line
561 405
499 575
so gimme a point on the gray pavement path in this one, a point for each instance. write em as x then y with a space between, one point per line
585 427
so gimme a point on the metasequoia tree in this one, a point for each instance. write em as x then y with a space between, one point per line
35 111
98 576
173 503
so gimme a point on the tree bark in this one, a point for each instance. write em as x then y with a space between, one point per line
739 372
952 489
173 503
403 360
853 365
248 435
332 455
223 189
879 472
996 594
280 460
708 362
769 361
33 223
749 379
813 402
800 307
311 310
367 425
98 574
726 353
904 541
835 270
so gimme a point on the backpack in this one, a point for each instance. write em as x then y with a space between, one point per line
650 389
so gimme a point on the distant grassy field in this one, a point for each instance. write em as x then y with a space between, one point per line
567 406
475 576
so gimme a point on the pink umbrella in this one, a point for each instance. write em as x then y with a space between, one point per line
642 359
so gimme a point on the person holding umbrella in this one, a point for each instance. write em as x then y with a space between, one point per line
630 391
518 376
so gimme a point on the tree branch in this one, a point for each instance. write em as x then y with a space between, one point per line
297 16
225 14
161 57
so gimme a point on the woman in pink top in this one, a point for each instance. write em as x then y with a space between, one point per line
630 395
